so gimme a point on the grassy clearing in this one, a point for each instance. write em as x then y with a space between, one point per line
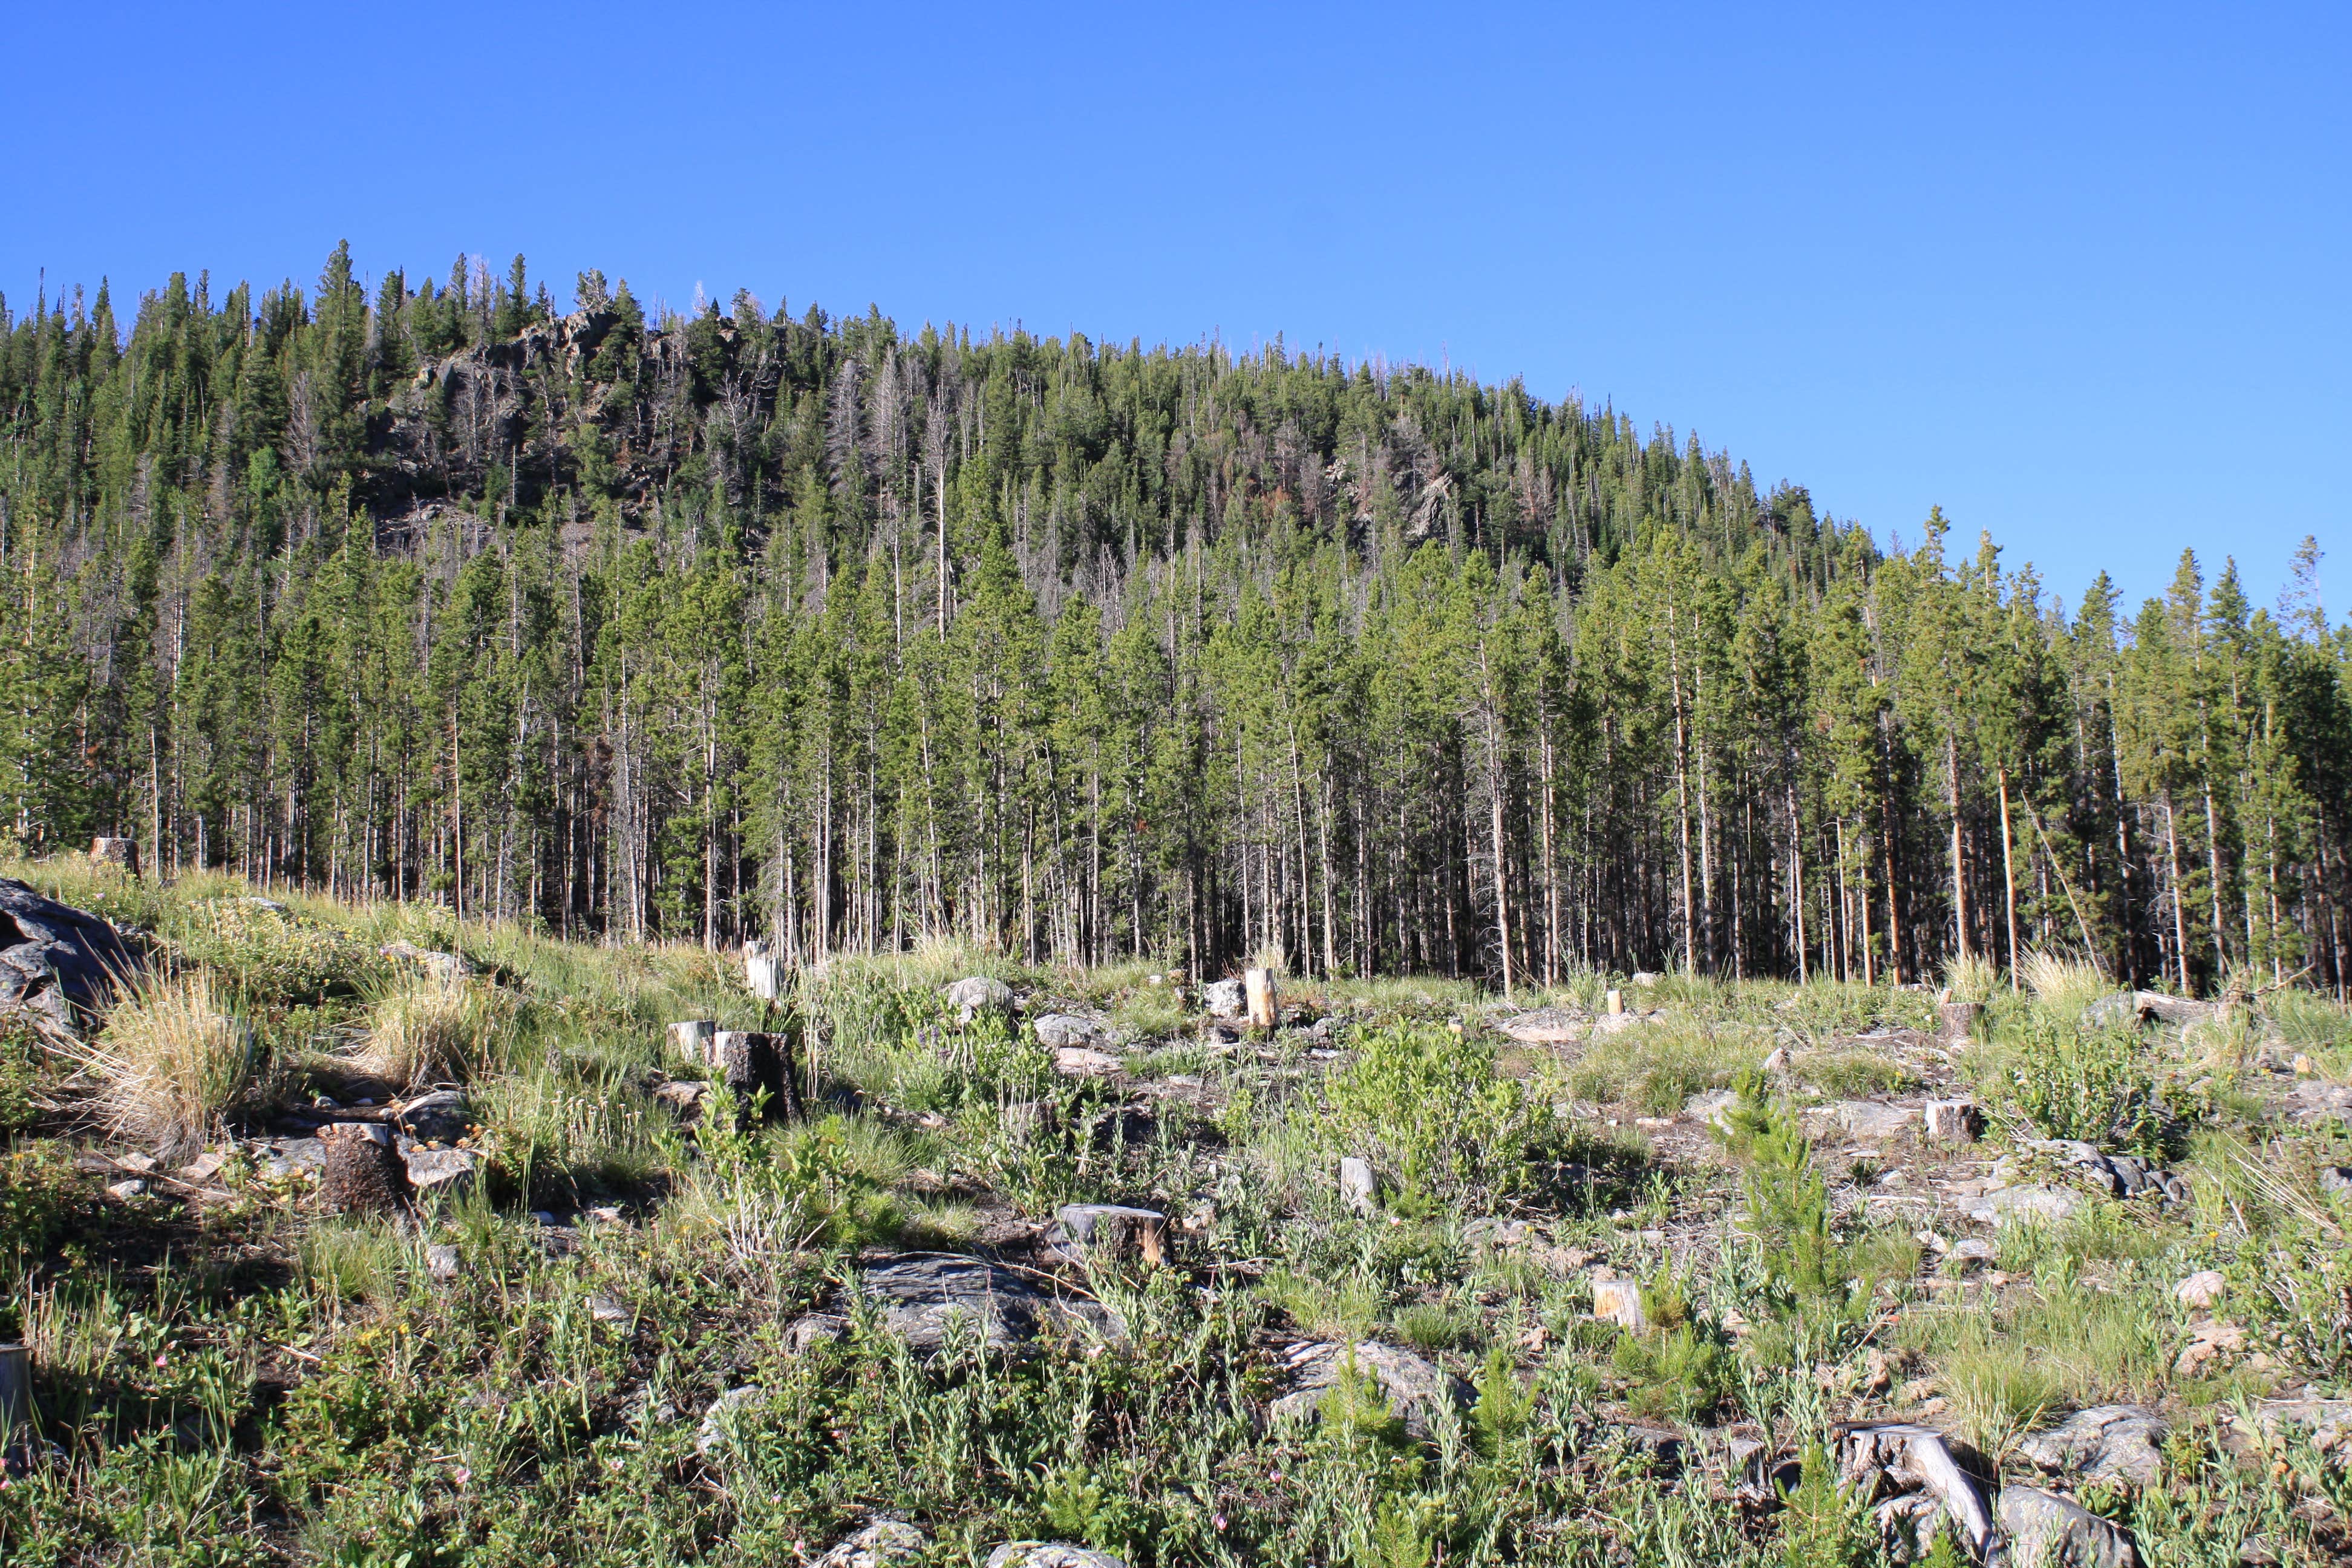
231 1376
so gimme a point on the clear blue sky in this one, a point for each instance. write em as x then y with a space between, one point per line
2077 274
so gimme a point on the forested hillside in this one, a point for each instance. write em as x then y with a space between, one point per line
739 622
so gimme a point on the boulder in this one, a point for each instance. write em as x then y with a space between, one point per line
363 1172
2012 1206
978 993
446 1172
924 1297
1544 1026
1109 1230
1415 1388
1059 1029
2336 1181
1895 1456
2106 1443
2201 1290
441 1261
721 1428
2047 1531
445 967
1050 1554
1224 999
885 1543
57 961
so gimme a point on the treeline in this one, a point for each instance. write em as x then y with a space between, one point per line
729 621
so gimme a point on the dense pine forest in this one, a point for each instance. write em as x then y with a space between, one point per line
735 622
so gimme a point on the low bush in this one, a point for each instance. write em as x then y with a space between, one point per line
1429 1106
272 954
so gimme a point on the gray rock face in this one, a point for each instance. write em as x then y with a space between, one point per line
2336 1181
446 967
1055 1030
1869 1121
1415 1388
1224 998
2048 1532
977 994
2010 1205
885 1543
721 1428
926 1297
2109 1443
1110 1230
449 1172
55 962
1894 1457
1050 1554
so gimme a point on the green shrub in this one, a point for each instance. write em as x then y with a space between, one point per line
1429 1103
273 955
2102 1085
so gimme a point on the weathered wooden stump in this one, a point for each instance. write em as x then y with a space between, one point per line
1263 1003
763 969
1960 1018
750 1061
692 1037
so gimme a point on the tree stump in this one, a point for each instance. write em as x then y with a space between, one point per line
122 852
750 1061
1263 1002
1959 1018
763 969
363 1172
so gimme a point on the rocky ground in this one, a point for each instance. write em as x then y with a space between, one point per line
357 1234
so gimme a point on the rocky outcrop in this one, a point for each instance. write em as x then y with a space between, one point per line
1415 1388
56 963
926 1297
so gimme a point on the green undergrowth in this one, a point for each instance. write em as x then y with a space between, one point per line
249 1380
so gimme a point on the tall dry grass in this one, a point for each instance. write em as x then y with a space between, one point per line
174 1058
424 1029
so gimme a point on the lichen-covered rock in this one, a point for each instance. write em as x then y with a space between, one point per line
2106 1443
1055 1030
446 1172
2047 1531
57 961
1414 1387
927 1297
978 993
885 1543
1050 1554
